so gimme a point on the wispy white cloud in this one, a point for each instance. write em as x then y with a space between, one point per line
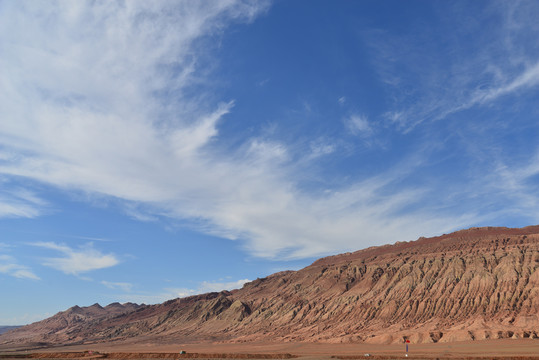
321 147
514 185
155 297
19 202
9 266
429 82
77 261
124 286
207 286
133 210
263 83
358 125
91 238
23 319
173 293
529 77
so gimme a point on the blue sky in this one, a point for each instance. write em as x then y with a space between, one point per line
150 150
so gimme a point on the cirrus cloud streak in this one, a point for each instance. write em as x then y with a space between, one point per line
77 261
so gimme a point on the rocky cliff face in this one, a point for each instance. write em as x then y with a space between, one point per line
474 284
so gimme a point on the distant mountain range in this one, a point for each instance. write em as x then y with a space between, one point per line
480 283
4 329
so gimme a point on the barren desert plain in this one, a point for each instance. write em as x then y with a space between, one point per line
518 349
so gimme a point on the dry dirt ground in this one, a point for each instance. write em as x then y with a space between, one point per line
522 349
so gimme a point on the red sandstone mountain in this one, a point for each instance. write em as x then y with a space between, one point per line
473 284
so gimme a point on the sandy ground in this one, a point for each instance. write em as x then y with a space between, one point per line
484 349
